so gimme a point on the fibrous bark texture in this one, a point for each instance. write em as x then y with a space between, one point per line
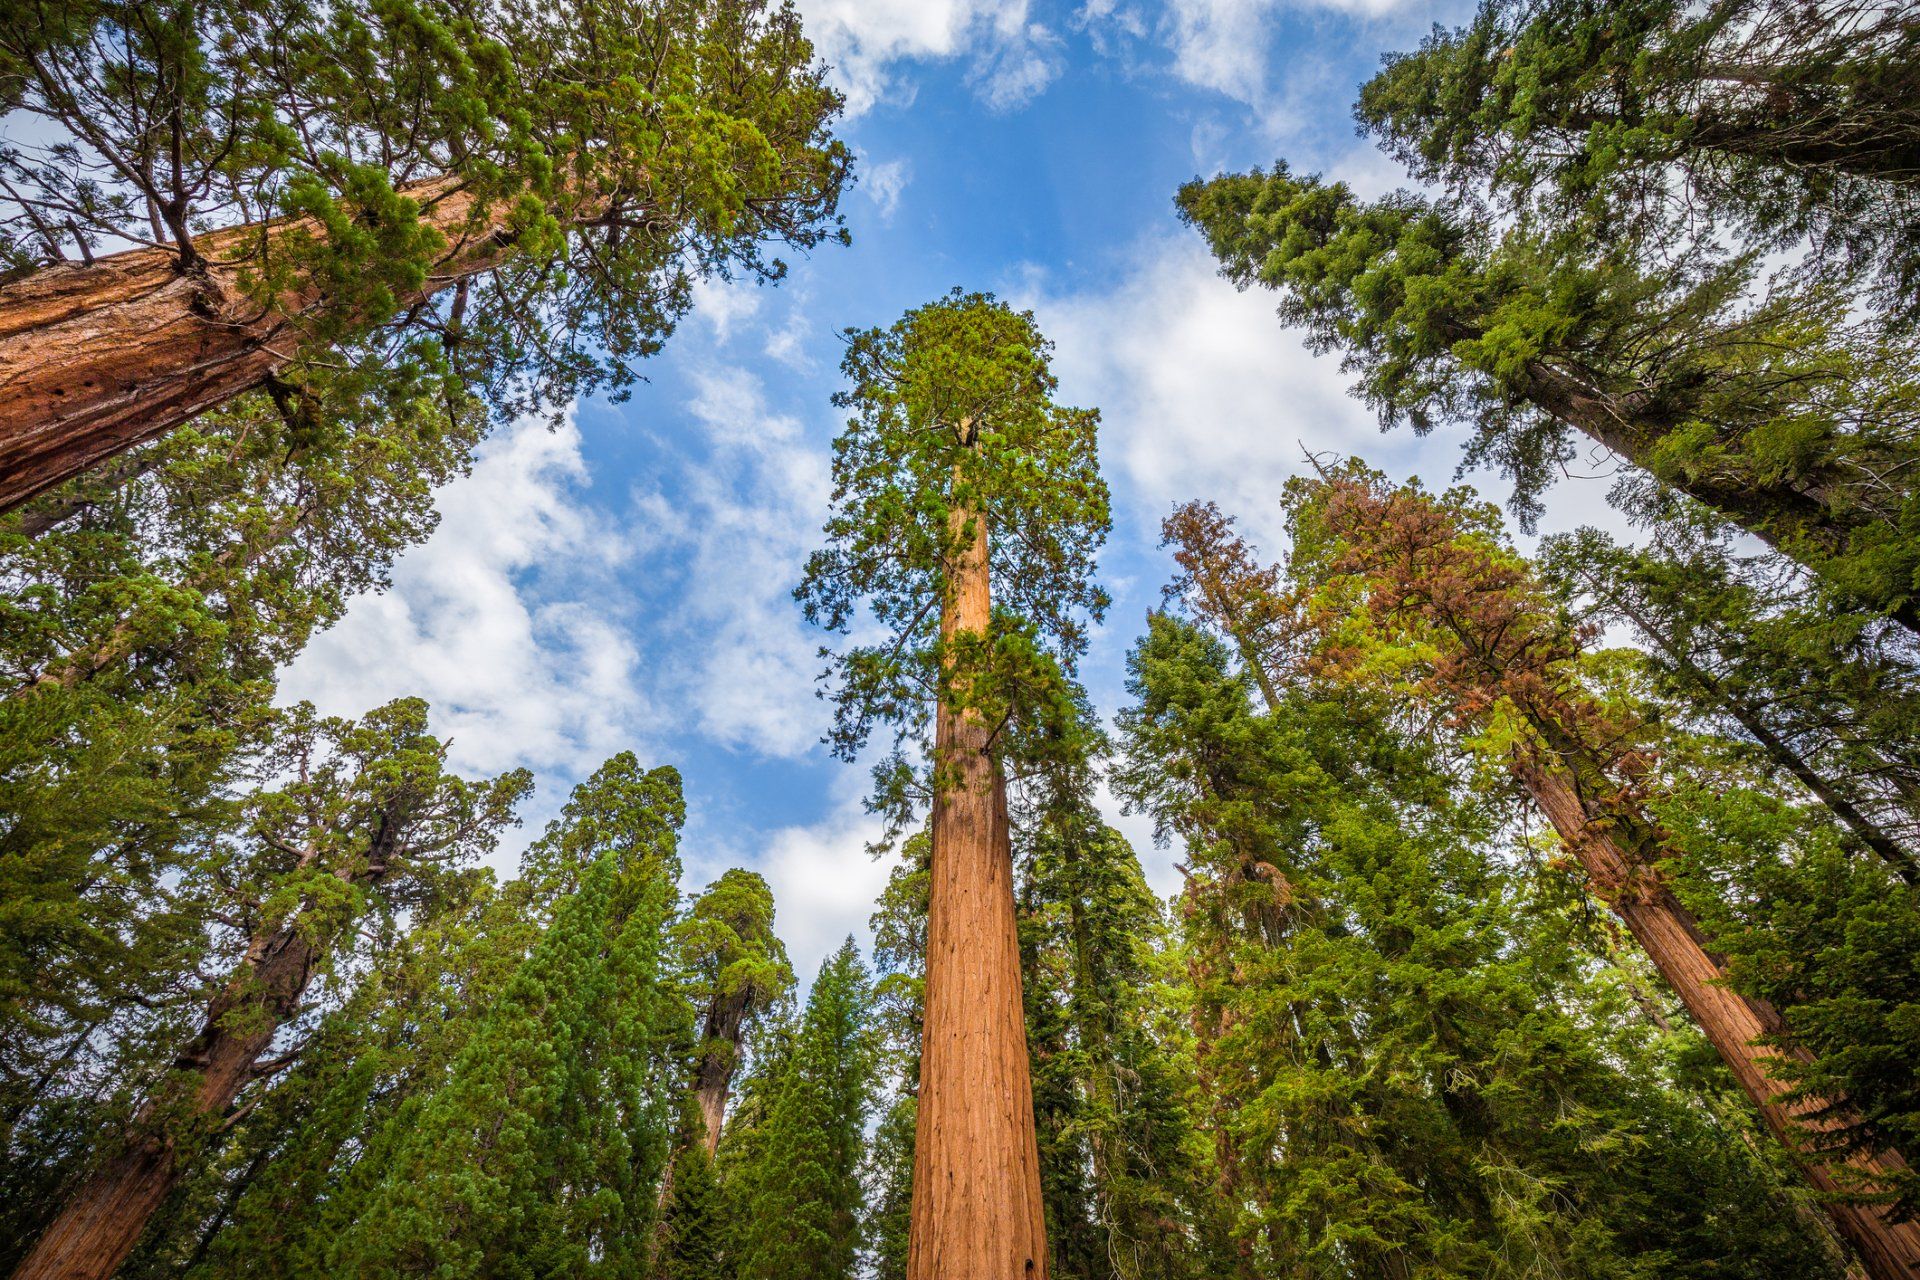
977 1211
96 359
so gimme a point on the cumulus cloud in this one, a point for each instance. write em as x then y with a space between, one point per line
507 620
824 881
1013 57
1202 391
726 548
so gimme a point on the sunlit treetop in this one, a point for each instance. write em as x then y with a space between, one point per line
952 412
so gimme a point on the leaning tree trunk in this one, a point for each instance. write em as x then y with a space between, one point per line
1667 932
96 359
977 1212
106 1214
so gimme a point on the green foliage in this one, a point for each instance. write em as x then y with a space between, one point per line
696 1230
542 1152
608 149
800 1196
1771 403
1757 119
955 436
1405 1065
1124 1173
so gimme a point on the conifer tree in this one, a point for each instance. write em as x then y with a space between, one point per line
696 1230
1432 597
1128 1189
802 1192
140 629
1762 119
359 204
366 825
294 1176
542 1152
1394 1072
1785 413
1736 645
899 924
968 507
739 972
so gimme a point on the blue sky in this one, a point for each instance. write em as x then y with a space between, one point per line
623 583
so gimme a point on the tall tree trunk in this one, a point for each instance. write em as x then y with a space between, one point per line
977 1211
719 1056
1625 876
1793 519
106 1214
96 359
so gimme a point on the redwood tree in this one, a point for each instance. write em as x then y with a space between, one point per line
365 823
1421 591
356 202
968 506
739 973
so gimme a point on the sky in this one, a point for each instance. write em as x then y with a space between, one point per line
624 582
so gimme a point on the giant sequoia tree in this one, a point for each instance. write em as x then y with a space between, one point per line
365 823
1785 412
968 508
360 202
1434 601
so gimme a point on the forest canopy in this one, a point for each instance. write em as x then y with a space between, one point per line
1408 880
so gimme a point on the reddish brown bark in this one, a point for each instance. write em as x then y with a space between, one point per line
1734 1025
106 1215
1498 642
719 1056
977 1212
96 359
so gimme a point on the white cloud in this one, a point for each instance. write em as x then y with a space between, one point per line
722 304
505 620
1205 394
884 182
825 884
1202 391
729 547
863 40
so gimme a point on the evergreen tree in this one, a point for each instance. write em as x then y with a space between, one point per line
140 627
542 1152
1735 645
802 1192
1762 119
899 924
356 205
1430 601
1406 1068
739 971
366 825
696 1230
1785 413
1127 1183
968 508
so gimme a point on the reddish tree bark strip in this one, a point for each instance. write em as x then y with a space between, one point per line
105 1217
1668 934
977 1212
96 359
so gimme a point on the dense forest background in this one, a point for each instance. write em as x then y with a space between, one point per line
1545 905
